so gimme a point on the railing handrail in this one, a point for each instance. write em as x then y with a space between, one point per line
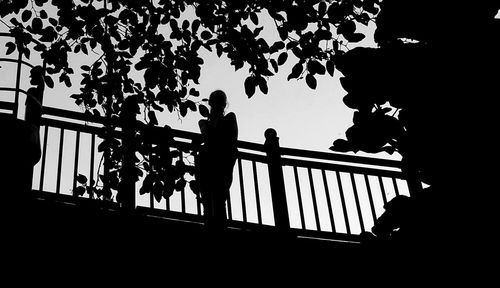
248 146
8 34
16 61
355 159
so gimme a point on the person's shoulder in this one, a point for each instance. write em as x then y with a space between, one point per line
230 115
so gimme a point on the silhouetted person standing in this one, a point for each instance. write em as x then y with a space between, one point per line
216 159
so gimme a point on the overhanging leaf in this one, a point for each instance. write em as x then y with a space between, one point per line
26 15
355 37
49 81
341 145
282 58
79 191
250 84
11 47
330 67
82 179
263 85
315 67
37 25
206 35
296 71
311 81
204 112
254 18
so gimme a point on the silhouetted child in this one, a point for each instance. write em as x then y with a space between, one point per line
216 158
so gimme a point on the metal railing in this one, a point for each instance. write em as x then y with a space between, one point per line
311 194
329 195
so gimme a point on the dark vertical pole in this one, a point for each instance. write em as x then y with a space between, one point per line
152 200
18 84
395 184
198 205
411 174
299 198
59 162
358 205
183 191
229 209
77 156
44 156
382 189
328 200
257 196
127 185
276 180
92 160
167 203
151 195
342 200
313 195
370 198
242 191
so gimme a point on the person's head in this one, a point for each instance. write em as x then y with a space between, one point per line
217 102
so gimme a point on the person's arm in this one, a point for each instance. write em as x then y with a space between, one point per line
203 124
233 126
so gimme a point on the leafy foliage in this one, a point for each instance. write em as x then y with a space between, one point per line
156 39
401 90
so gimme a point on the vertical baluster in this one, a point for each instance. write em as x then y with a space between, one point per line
328 200
382 189
276 180
299 198
358 205
198 205
313 195
257 196
151 195
44 156
77 157
395 184
18 85
229 208
242 191
370 198
167 202
342 200
92 160
152 200
59 162
183 190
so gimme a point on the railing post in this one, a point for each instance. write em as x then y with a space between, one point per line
127 185
412 177
276 180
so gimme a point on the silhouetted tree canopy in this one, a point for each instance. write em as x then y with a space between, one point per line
162 40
